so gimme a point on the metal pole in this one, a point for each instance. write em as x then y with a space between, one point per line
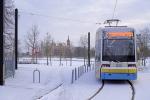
89 49
75 73
1 42
78 72
85 68
16 38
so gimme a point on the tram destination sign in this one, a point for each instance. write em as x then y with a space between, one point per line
119 34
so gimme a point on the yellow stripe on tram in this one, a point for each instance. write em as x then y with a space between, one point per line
106 70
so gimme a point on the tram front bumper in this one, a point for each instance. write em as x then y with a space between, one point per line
118 74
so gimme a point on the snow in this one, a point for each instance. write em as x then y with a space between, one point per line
142 86
21 86
113 90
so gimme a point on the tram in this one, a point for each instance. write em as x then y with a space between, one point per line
115 53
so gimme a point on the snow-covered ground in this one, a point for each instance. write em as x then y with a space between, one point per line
21 87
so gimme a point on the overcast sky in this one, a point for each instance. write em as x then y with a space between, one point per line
76 17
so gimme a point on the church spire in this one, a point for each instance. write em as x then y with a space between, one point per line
68 41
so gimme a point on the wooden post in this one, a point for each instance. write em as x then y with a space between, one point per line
1 42
16 38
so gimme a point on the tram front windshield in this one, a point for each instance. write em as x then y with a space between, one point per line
118 50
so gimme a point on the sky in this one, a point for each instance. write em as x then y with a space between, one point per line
76 17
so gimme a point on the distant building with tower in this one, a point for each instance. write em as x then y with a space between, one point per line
68 42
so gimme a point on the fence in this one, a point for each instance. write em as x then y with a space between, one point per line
79 71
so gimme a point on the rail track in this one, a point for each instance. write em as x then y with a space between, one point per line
37 98
133 89
130 83
97 91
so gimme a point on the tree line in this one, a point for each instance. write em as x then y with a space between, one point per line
143 44
48 48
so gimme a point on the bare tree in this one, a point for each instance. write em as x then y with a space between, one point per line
41 50
71 52
32 41
84 42
143 42
61 52
48 47
9 19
